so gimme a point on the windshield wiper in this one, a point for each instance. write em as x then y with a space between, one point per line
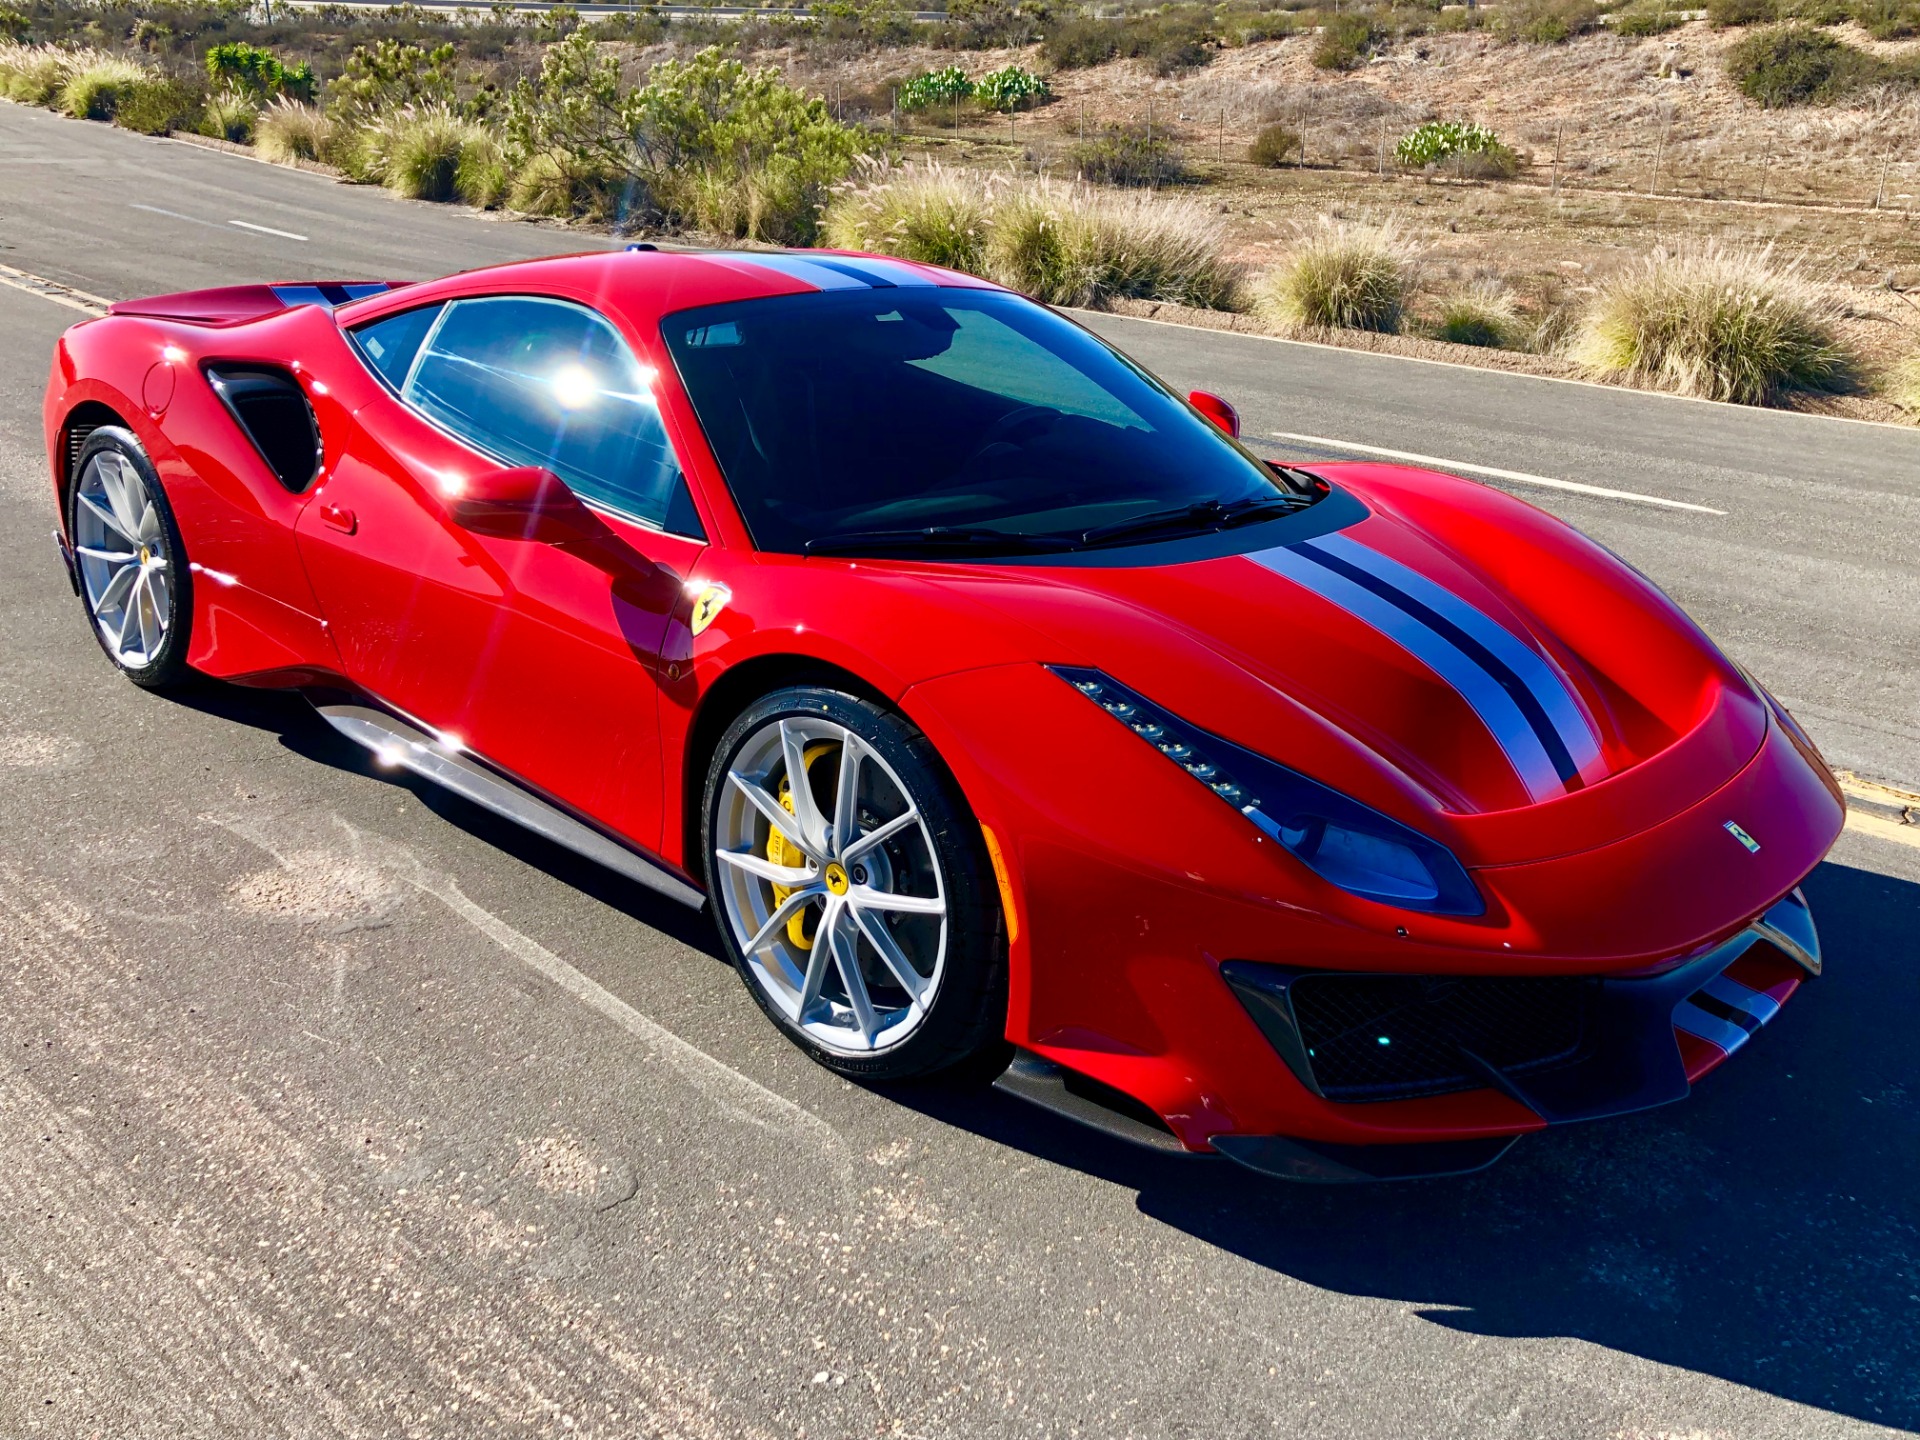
1204 515
972 539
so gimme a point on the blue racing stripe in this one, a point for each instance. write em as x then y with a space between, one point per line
1496 707
1548 688
880 272
794 267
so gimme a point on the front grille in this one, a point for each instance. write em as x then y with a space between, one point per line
1395 1037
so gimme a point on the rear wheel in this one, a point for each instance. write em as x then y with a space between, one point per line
134 583
851 887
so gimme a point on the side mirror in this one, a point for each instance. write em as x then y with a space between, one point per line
1216 410
523 502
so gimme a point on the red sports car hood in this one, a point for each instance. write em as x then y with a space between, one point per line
1455 657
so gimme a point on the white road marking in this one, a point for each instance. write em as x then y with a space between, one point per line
1519 477
171 214
266 230
53 290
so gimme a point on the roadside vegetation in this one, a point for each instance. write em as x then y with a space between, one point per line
1091 158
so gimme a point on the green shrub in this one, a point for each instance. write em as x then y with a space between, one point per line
1648 17
13 25
95 88
159 106
1343 276
1010 88
699 129
1346 40
287 131
390 75
1888 19
1274 145
1545 22
933 88
416 152
1722 14
33 74
253 70
229 115
1797 65
1479 315
1169 41
1129 155
1251 27
926 213
1718 323
1461 146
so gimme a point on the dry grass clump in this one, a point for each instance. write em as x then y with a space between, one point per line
1061 242
230 115
927 213
1903 384
95 85
1343 276
33 74
287 131
1481 314
424 152
1718 323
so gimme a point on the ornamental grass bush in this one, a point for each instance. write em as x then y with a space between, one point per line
927 213
418 152
95 85
1481 314
161 105
33 74
1902 386
1058 241
1342 275
1718 323
229 115
288 131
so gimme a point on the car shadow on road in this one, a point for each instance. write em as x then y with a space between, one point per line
1766 1231
300 729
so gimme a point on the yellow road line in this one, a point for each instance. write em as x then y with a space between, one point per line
53 290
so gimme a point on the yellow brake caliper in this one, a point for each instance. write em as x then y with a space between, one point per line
779 852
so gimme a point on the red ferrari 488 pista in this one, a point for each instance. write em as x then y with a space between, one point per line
1348 820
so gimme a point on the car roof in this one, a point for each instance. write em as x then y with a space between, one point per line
648 283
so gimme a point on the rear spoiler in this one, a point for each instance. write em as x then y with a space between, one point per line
232 304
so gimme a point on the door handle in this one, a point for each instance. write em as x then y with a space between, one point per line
339 517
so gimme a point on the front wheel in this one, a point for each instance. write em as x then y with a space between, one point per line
134 581
851 886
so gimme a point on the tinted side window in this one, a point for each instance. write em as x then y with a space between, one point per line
389 345
545 382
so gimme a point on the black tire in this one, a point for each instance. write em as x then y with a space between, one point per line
966 1018
167 664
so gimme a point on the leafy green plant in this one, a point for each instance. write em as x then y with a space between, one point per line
1722 14
253 70
1467 147
930 88
13 24
1129 155
1010 88
1346 40
1343 276
1718 323
390 75
1274 145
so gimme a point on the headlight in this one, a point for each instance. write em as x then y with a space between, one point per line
1344 842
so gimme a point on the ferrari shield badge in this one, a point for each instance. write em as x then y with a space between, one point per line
707 606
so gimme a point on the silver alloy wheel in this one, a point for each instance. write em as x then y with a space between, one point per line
124 559
860 866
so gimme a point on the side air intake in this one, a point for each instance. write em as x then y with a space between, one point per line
269 407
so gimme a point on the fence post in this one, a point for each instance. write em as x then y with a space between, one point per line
1149 120
1553 186
1653 186
1880 194
1382 157
1766 159
1220 148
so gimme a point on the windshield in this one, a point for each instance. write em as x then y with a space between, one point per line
911 419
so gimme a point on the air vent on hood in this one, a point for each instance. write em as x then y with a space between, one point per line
268 405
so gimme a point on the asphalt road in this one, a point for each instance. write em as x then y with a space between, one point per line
299 1136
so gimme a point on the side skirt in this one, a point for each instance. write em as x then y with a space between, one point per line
412 747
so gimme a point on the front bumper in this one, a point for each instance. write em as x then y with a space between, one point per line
1642 1041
